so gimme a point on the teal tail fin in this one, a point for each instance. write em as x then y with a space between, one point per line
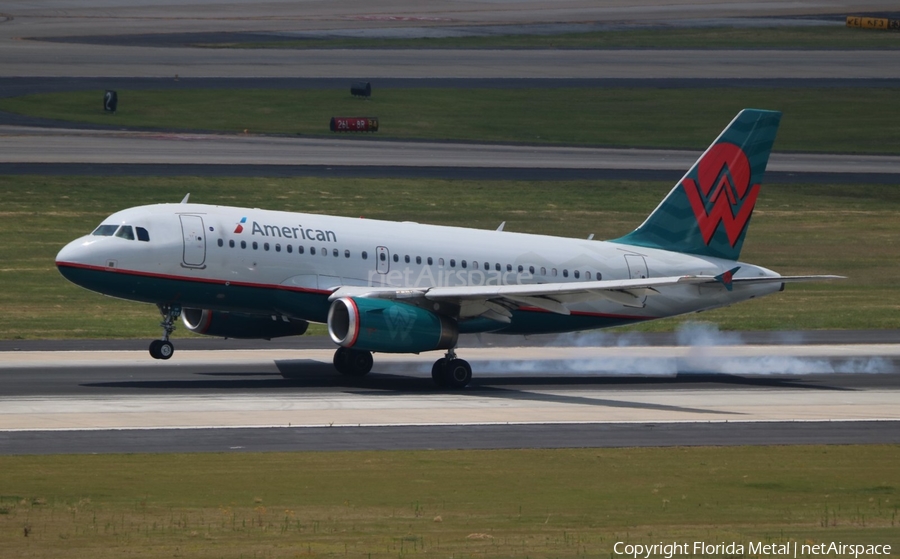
708 211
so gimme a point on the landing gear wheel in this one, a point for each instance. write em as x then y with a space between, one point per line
163 349
439 373
154 349
457 373
166 349
352 362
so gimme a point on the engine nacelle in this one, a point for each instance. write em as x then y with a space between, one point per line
388 326
241 325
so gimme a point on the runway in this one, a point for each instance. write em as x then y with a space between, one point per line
595 396
20 144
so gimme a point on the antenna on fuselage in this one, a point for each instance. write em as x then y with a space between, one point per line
591 237
186 196
502 225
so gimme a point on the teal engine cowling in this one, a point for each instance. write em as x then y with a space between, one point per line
241 325
388 326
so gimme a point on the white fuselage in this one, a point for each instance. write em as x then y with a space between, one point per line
252 260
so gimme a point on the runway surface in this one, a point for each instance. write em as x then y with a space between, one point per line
23 54
38 145
554 396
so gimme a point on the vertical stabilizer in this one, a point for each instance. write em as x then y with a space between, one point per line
709 209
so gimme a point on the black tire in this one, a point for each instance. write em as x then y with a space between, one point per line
360 363
341 360
439 373
166 350
458 373
154 349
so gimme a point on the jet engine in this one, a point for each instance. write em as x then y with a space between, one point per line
241 325
388 326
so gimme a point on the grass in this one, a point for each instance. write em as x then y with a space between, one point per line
850 120
509 503
806 37
797 229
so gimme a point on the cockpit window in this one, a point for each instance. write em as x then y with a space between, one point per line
125 232
142 234
105 230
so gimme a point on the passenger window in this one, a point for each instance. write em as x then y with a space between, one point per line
543 271
396 258
430 261
521 269
487 266
255 245
143 235
365 255
335 252
290 249
125 232
509 267
565 273
497 266
463 263
346 254
243 244
599 276
406 259
418 259
265 246
324 251
383 257
105 230
300 249
231 243
312 250
577 274
474 264
553 272
277 247
441 262
221 242
531 269
452 262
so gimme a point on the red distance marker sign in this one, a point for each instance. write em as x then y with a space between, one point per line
354 124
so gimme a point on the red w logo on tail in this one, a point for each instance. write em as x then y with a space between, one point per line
724 187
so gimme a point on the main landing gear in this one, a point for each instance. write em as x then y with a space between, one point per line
163 349
352 362
451 372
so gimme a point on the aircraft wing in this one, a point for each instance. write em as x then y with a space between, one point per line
495 301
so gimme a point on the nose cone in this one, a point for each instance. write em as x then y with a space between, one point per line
73 257
74 252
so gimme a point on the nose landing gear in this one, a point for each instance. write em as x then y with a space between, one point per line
451 372
163 349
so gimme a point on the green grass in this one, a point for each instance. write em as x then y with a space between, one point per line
797 229
848 120
511 503
818 37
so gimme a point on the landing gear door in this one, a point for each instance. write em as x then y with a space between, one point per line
194 241
382 260
637 269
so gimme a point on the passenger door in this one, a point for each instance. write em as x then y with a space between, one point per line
194 234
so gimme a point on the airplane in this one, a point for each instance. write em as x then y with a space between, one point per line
405 287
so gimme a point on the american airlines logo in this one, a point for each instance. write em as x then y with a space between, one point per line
288 232
240 225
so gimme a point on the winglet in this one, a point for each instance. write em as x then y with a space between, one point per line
726 278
